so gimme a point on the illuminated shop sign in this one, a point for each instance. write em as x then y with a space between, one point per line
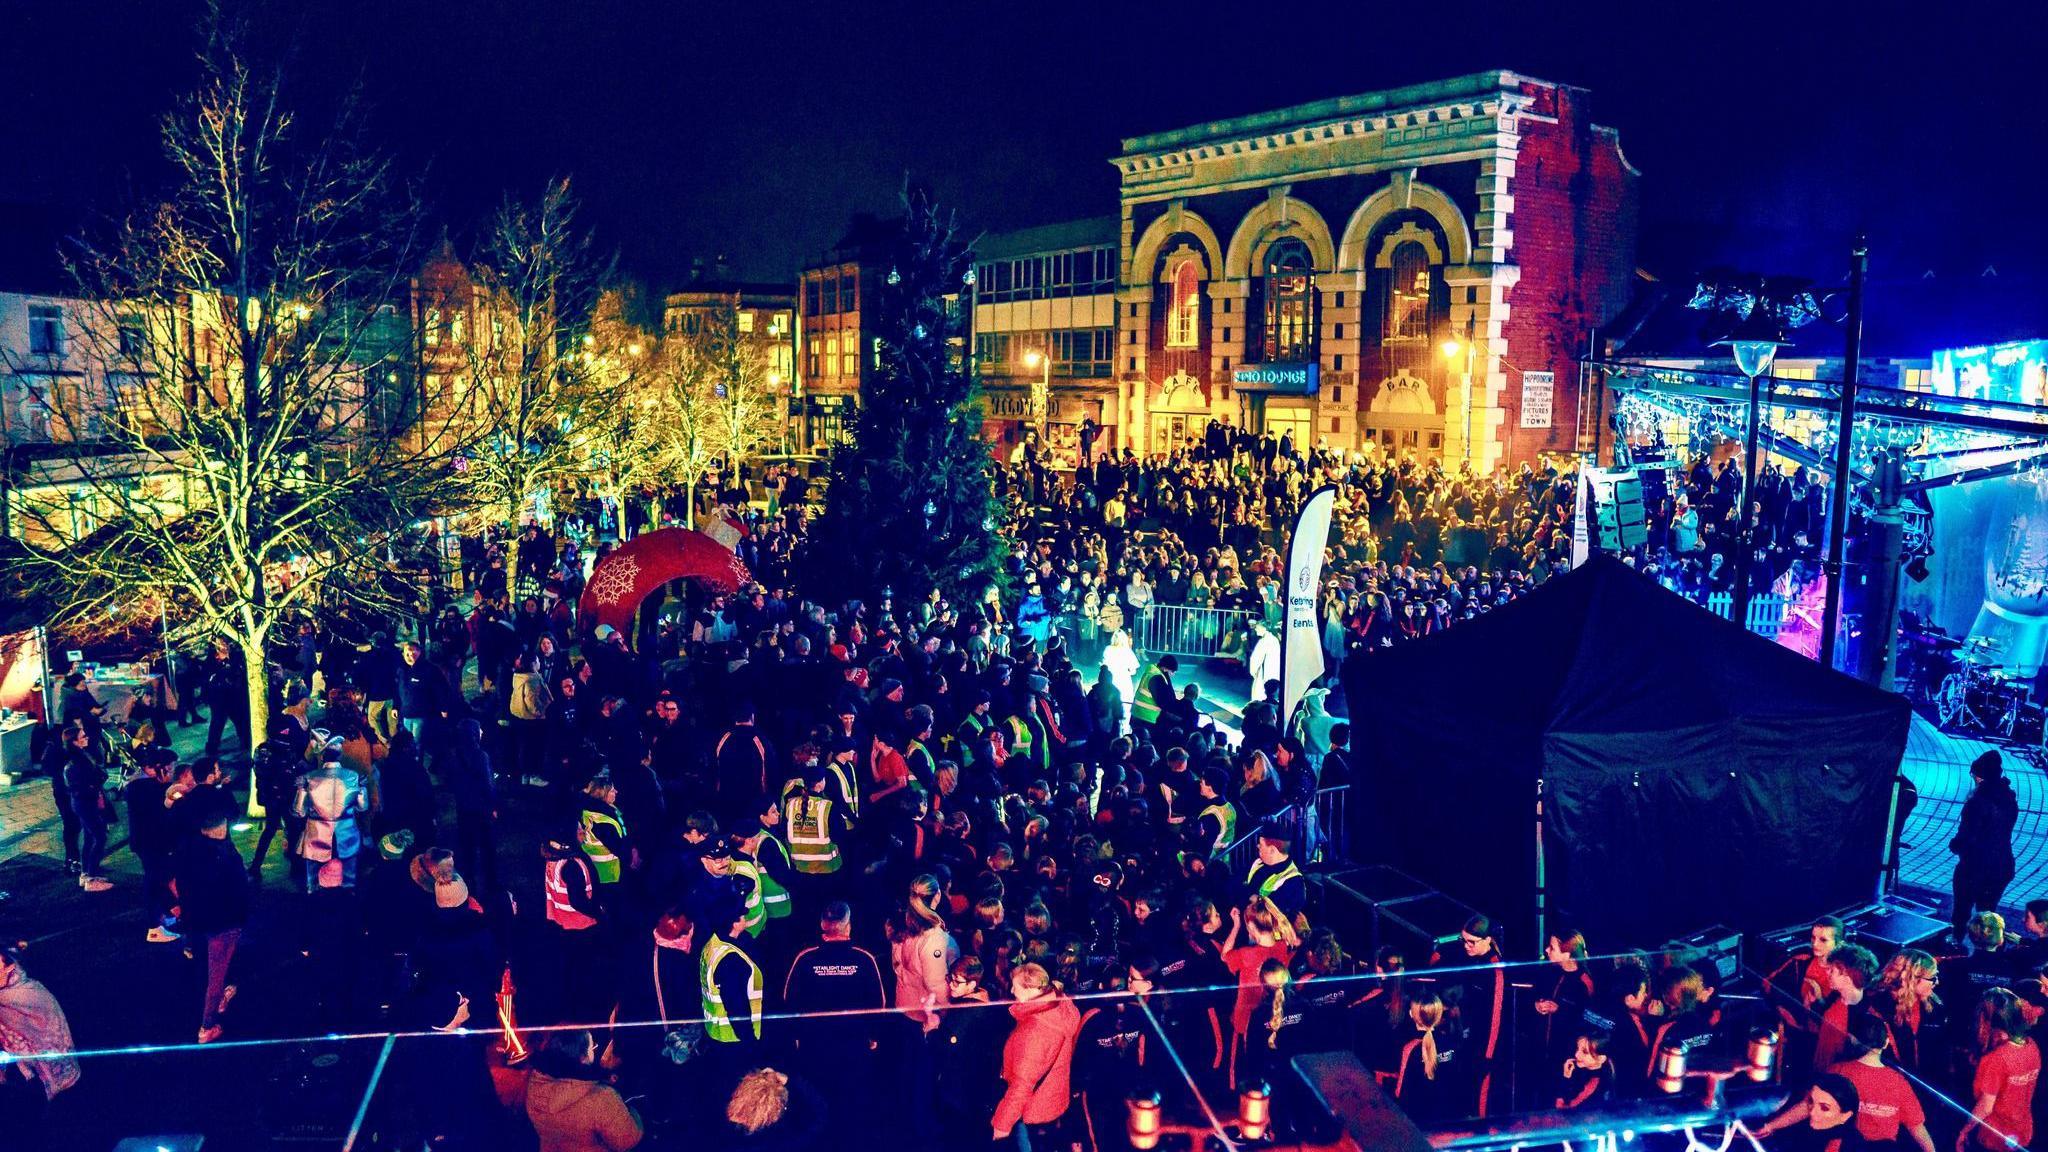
1296 379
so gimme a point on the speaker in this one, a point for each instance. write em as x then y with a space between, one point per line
1715 953
1423 924
1894 923
1883 926
1351 900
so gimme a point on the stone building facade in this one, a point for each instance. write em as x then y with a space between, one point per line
1333 270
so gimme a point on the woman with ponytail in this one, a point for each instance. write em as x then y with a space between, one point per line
1430 1081
922 953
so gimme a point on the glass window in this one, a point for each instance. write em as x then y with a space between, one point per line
849 293
811 297
1290 302
132 337
746 320
1184 315
1408 294
45 330
433 333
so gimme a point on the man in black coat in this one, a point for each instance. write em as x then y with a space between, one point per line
1983 841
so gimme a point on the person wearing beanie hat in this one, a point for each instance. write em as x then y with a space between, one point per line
1983 842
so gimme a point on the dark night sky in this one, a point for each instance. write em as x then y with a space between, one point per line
1766 132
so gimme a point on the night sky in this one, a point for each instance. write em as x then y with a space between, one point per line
1766 132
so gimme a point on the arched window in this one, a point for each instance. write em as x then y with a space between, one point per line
1408 294
1183 321
1290 302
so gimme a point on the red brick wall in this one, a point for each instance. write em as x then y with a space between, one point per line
1574 226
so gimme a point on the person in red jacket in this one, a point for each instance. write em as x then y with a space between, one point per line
1036 1059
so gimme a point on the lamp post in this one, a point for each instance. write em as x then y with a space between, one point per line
1755 343
1041 391
1453 348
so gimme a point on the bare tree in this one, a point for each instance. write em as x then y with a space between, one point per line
678 426
619 456
242 330
532 379
750 406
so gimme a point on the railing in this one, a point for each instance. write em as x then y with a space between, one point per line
1168 628
1766 613
1321 837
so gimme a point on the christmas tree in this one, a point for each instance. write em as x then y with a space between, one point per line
910 506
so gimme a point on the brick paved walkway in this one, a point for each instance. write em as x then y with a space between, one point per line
1939 765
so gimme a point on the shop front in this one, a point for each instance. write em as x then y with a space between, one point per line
1278 399
1074 423
828 420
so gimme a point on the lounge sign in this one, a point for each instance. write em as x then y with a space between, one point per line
1295 378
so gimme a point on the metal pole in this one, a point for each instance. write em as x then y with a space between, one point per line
1888 871
1742 532
1542 896
1845 438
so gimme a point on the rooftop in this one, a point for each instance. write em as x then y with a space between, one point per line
1905 317
1093 232
1478 85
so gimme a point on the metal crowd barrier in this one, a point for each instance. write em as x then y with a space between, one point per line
1186 631
1327 838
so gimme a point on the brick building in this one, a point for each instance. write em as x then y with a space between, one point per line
1304 270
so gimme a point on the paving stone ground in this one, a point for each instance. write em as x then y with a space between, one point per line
1938 764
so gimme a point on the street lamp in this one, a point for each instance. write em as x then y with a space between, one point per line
1453 348
1041 390
1755 343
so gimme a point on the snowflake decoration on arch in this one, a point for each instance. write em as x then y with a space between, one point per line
613 582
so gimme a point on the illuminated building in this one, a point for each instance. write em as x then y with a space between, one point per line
1298 270
1049 292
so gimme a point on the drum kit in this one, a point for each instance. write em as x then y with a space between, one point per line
1980 695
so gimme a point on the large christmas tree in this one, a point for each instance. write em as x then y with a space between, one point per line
910 506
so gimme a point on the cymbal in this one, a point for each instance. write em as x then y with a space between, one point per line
1985 643
1939 640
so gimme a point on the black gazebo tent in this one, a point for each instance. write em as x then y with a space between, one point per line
1692 774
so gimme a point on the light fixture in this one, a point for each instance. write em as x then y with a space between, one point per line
1033 358
1146 1121
1452 349
1254 1110
1755 342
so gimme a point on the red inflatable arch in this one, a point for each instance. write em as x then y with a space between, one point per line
636 568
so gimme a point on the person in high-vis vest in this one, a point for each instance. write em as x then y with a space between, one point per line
918 753
1276 877
577 930
844 773
752 840
753 886
1018 744
731 982
1216 823
977 722
1154 683
812 822
601 832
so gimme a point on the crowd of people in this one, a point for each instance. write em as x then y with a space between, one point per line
930 870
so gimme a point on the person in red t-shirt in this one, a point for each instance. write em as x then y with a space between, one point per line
1804 974
1887 1104
1268 936
2007 1070
1851 969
